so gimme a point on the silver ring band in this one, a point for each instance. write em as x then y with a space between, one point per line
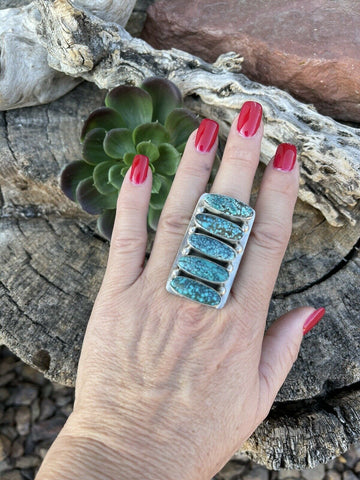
209 255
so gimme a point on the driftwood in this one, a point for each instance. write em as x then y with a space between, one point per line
53 260
83 45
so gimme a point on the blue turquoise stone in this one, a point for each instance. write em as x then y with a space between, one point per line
195 290
228 205
211 247
219 226
204 269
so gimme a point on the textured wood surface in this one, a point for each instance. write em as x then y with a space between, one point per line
53 262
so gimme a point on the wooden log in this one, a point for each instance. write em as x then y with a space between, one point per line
53 261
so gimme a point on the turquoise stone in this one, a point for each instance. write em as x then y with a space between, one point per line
211 247
204 269
195 290
219 226
228 205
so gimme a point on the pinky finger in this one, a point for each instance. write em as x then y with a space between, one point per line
280 349
129 236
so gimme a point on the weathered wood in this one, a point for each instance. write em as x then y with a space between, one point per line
53 262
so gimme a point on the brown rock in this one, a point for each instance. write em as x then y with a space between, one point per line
24 394
47 409
22 419
48 429
28 461
332 475
5 379
5 447
17 449
357 467
311 49
12 475
349 475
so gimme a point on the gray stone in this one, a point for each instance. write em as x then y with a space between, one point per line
5 379
47 429
4 394
35 410
28 461
5 447
357 467
31 375
257 473
47 409
24 394
314 473
350 475
5 465
9 431
23 419
332 475
8 364
12 475
17 448
8 416
285 474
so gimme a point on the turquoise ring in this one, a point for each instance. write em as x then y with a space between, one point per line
210 253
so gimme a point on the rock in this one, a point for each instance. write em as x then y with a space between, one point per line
332 475
312 52
5 379
17 448
28 461
231 470
9 431
31 375
357 467
35 410
4 394
23 419
316 473
285 474
8 364
23 395
47 409
8 416
257 473
63 400
350 457
5 465
48 429
5 447
12 475
349 475
67 409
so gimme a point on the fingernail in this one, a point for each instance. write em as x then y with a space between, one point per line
139 169
285 157
206 135
249 119
313 319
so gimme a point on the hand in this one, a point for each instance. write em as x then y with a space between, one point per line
168 388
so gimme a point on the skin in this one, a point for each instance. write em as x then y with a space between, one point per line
168 388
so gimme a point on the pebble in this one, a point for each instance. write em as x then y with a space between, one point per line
332 475
285 474
350 475
357 467
5 447
28 461
47 409
314 473
24 394
22 420
5 379
12 475
257 473
17 449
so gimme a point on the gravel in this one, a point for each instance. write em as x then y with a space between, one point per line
33 411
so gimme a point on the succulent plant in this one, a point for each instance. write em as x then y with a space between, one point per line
147 120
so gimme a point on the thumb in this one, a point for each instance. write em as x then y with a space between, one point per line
280 349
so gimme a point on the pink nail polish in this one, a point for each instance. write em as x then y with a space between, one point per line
285 157
139 169
249 119
313 319
206 135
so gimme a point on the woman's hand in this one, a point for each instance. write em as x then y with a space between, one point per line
168 388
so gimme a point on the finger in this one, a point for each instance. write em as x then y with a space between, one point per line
241 155
189 183
129 237
271 231
280 349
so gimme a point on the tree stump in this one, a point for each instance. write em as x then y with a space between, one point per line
53 262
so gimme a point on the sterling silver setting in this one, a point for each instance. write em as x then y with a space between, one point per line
210 253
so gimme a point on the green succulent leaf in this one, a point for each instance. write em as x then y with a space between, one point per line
134 105
105 223
102 117
115 177
91 200
165 97
92 150
71 175
148 149
152 168
155 132
157 200
128 158
124 171
169 159
153 217
101 177
180 123
117 142
156 183
180 148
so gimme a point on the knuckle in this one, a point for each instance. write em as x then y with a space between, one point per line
127 245
271 236
174 223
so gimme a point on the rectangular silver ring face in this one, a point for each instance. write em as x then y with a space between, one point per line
210 253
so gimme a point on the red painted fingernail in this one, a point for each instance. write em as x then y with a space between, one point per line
285 157
313 319
139 169
249 119
206 135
